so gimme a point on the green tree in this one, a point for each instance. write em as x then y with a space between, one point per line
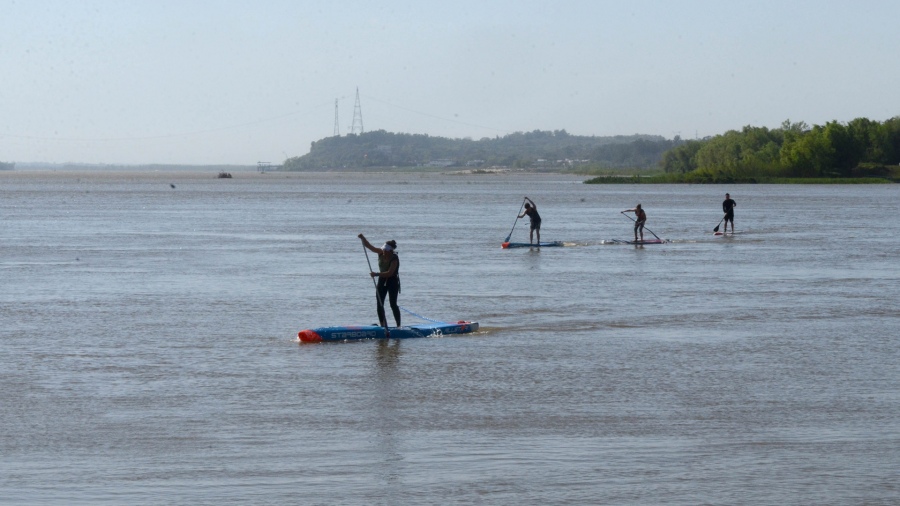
681 159
808 155
889 140
845 153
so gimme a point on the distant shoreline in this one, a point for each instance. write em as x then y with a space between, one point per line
238 172
100 167
667 179
245 170
202 174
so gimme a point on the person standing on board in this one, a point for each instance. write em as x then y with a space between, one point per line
388 277
531 212
728 209
641 218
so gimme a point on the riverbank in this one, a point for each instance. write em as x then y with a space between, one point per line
679 178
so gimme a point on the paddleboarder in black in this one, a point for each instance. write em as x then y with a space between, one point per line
641 218
388 278
728 209
531 212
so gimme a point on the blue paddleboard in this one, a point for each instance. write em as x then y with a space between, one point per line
359 332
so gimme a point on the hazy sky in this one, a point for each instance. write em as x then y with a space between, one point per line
237 82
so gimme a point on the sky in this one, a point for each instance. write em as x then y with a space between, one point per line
239 82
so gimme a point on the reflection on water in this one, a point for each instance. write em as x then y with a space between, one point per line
387 417
387 357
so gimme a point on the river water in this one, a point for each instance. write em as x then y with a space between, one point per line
149 352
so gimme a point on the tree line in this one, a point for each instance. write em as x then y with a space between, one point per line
860 148
534 149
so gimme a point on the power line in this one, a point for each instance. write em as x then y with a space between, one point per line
429 115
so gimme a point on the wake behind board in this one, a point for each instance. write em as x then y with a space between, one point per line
507 245
648 241
360 332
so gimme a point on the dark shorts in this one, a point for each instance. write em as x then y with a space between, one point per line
535 225
729 216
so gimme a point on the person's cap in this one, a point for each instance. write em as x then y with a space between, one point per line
387 247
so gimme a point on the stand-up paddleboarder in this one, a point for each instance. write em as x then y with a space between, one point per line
532 212
728 209
388 278
640 219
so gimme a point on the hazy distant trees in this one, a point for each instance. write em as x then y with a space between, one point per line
861 147
520 149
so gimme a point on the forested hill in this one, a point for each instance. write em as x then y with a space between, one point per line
528 150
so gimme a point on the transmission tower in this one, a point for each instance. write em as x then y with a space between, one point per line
357 116
337 129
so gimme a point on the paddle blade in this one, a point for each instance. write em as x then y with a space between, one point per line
716 229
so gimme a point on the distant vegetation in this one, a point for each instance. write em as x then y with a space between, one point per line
535 150
862 150
859 151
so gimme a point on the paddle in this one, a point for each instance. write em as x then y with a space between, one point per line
645 228
720 223
387 333
517 220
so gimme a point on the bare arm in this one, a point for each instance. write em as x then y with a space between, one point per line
369 246
533 206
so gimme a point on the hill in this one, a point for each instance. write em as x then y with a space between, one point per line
537 149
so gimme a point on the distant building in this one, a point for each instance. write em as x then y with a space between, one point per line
440 163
